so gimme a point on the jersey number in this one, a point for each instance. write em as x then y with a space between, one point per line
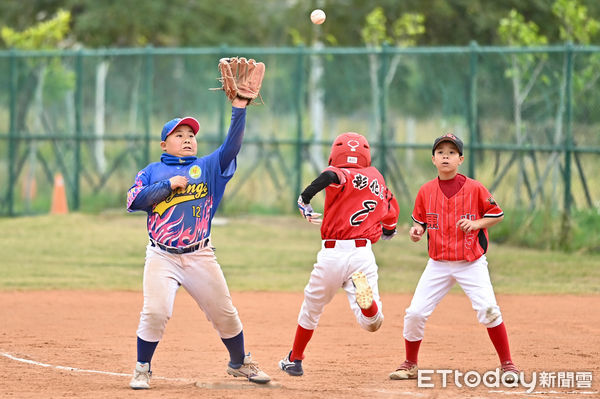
197 211
358 217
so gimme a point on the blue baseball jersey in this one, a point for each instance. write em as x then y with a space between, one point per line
183 217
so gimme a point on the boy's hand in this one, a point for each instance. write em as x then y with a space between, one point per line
178 182
467 225
416 232
308 213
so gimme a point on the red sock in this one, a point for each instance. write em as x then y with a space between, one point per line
412 350
372 311
500 340
300 341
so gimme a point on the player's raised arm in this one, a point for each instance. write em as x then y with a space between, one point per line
241 80
233 142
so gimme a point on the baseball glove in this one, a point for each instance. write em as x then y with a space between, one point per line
241 78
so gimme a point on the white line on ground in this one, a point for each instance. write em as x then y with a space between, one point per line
78 370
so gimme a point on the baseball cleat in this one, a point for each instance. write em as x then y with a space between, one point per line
364 293
141 376
407 371
293 368
510 372
250 371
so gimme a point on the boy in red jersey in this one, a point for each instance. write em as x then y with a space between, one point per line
456 212
359 209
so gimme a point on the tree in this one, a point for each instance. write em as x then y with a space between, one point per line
575 27
403 32
524 72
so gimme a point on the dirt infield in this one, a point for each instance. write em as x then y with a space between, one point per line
82 344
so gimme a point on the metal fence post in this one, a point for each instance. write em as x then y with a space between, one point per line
11 133
78 127
472 114
298 102
568 128
222 105
148 92
385 55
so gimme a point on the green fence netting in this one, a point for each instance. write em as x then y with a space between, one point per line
529 118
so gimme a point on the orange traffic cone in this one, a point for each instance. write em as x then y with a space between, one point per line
59 197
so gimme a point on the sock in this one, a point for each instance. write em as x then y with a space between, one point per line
372 311
300 341
412 350
500 340
145 350
235 346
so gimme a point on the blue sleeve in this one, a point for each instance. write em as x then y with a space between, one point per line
144 194
150 195
233 142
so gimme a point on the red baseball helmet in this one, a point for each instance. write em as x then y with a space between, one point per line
350 150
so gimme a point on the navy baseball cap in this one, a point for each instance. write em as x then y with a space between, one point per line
172 125
451 138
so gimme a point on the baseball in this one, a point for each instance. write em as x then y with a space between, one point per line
318 16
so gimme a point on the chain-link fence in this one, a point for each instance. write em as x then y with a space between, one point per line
529 118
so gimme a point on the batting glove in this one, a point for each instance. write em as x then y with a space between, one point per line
388 234
308 213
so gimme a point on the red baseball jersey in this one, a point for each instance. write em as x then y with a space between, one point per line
359 206
439 214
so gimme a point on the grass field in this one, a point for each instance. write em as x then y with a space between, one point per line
258 253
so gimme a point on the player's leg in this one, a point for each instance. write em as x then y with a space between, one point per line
362 289
160 286
205 282
326 278
434 284
475 281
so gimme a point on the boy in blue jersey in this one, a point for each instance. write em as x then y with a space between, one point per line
181 194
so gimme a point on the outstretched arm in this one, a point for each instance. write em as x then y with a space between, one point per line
233 142
326 178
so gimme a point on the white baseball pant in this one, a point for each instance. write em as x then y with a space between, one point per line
333 270
435 282
200 274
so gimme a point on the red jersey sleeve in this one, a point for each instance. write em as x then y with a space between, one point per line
390 220
487 204
340 174
419 214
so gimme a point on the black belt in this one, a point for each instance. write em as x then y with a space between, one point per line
180 251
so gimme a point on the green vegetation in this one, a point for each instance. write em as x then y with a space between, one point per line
161 23
273 253
542 230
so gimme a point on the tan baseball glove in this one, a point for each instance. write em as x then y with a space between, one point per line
241 78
